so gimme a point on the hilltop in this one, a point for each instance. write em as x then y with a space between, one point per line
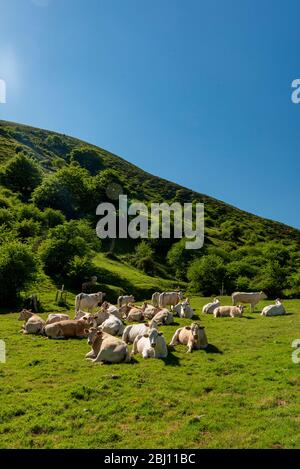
71 176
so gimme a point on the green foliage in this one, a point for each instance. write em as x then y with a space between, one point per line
207 274
18 268
64 243
87 158
66 190
79 269
21 174
179 258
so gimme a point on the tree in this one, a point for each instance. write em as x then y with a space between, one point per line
18 268
64 243
87 158
207 274
21 174
179 257
67 190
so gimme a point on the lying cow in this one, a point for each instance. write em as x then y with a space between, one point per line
66 329
150 345
229 311
106 348
133 330
150 311
125 300
163 317
33 324
274 310
184 309
210 307
88 302
136 314
56 317
101 316
112 325
193 336
248 298
112 309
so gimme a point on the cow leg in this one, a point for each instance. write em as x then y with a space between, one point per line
134 348
251 308
175 340
189 346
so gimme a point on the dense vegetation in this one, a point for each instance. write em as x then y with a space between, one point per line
50 186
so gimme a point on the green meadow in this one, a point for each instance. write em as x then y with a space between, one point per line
241 392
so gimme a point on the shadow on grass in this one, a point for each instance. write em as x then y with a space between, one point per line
171 359
212 349
248 317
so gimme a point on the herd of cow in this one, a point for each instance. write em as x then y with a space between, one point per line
109 337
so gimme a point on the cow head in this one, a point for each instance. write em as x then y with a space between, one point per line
241 308
263 295
153 335
25 314
92 335
194 328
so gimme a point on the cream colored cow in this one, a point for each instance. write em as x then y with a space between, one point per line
106 348
229 311
193 336
33 324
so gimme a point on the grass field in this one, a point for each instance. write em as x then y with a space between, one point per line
242 392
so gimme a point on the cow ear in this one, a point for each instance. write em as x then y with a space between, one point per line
188 328
146 335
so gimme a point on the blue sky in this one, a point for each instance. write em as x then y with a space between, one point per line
198 92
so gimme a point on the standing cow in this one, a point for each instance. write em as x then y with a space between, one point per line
249 298
85 301
169 299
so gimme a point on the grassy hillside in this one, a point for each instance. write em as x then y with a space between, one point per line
241 250
242 392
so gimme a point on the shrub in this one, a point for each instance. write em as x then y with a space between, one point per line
207 274
18 268
87 158
66 190
21 174
64 243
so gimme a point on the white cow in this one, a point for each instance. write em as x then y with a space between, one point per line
169 299
274 310
106 348
125 299
56 317
112 325
88 301
155 298
210 307
133 330
184 309
150 345
33 324
229 311
193 336
163 317
250 298
150 311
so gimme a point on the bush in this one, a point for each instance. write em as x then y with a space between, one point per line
64 243
207 274
87 158
21 174
18 268
79 268
66 190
